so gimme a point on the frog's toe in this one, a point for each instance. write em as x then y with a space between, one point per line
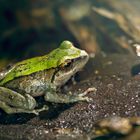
45 107
92 89
87 99
35 112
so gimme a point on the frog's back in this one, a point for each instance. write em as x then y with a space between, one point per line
29 66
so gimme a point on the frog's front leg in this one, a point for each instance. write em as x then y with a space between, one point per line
13 102
53 96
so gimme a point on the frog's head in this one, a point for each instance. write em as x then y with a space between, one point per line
73 62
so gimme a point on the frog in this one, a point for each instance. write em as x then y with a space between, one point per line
22 82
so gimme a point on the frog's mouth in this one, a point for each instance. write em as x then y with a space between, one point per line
72 66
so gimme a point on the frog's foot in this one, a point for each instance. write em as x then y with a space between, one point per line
81 96
44 108
92 89
65 98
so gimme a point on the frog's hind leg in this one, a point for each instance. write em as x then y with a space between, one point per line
13 102
10 110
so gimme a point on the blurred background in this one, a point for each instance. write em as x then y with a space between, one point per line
34 27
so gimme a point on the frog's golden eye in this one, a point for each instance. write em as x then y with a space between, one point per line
65 63
68 61
68 64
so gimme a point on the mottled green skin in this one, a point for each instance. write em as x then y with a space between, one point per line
52 60
41 76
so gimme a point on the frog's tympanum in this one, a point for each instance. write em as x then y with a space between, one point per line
41 76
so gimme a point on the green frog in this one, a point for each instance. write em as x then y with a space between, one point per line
41 76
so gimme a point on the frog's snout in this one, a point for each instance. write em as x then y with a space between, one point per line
84 55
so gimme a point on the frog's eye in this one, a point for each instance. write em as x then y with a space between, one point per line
66 64
68 61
